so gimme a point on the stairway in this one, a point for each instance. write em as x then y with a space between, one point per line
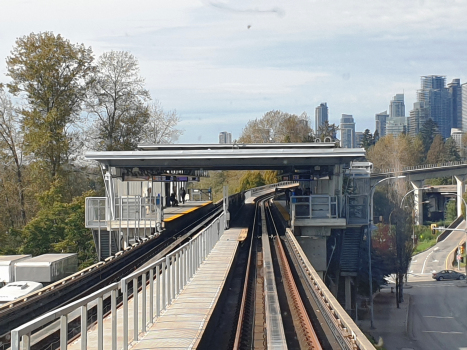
351 250
104 247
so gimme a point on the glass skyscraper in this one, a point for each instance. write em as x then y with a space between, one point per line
347 130
321 115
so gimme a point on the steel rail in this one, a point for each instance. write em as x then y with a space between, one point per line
303 326
91 279
345 331
241 317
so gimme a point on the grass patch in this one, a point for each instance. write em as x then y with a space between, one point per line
424 238
424 245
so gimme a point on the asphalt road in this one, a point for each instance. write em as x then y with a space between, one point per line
438 315
434 259
438 309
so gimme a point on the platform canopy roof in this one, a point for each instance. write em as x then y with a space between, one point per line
264 156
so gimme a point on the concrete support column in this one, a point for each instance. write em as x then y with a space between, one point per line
418 201
348 294
460 182
314 248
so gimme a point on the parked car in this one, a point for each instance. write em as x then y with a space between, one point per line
448 275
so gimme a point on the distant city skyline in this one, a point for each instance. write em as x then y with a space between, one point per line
222 64
225 137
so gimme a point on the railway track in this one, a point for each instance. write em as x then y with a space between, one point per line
272 314
97 276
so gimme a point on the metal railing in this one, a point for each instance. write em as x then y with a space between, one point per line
22 334
346 332
256 190
417 167
356 209
166 278
171 274
134 208
316 206
95 212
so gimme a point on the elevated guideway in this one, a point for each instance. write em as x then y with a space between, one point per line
416 175
176 298
180 220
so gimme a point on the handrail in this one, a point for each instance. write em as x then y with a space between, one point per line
417 167
24 332
347 333
170 274
269 186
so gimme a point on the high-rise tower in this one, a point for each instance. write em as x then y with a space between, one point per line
397 106
347 130
464 107
455 96
435 96
418 116
225 137
381 120
321 115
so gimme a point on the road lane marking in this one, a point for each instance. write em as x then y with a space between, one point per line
423 267
442 332
434 285
438 316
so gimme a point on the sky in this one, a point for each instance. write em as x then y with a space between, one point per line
221 63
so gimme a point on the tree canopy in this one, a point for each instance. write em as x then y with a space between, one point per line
117 99
161 126
52 74
277 126
43 132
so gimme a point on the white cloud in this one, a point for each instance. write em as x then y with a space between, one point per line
220 63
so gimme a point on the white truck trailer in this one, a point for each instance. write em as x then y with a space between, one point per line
7 267
17 290
47 268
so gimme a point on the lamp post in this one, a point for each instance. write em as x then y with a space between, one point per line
370 228
413 215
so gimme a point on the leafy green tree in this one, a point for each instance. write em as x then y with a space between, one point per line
270 177
367 140
251 179
52 74
436 153
450 151
59 228
375 136
11 152
77 238
427 134
327 130
403 223
451 211
437 181
117 99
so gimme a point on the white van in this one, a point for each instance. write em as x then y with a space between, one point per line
17 290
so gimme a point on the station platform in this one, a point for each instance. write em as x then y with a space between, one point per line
182 324
283 209
172 213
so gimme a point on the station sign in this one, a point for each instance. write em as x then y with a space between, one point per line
161 178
